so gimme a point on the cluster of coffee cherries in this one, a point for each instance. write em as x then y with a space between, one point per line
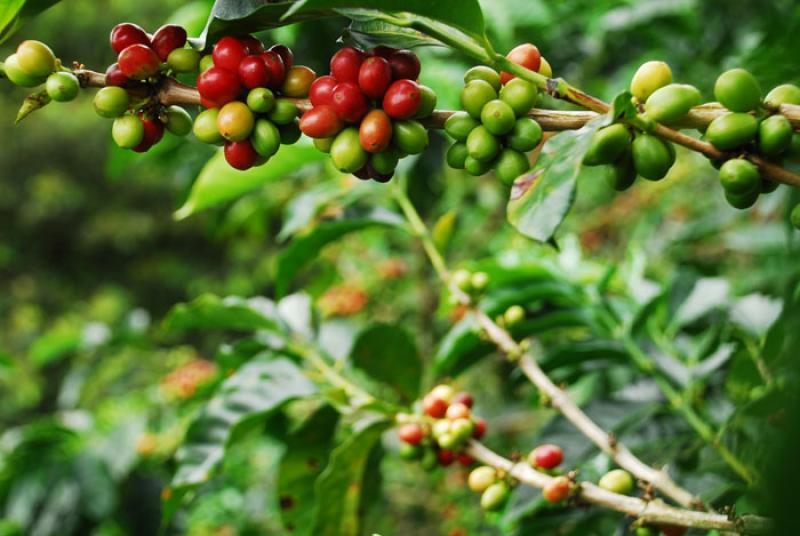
446 423
494 131
248 94
34 64
365 112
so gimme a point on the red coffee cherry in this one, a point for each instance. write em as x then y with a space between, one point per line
382 51
557 489
464 398
321 122
374 77
404 64
434 406
127 34
252 45
285 53
411 433
526 55
168 38
276 68
445 457
375 131
465 459
139 62
253 72
457 410
546 456
348 101
480 428
153 132
228 53
402 100
115 76
218 86
346 63
240 154
321 91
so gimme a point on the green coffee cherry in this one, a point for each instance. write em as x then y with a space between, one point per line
477 167
482 145
462 279
742 201
457 155
793 152
739 176
514 315
448 441
283 112
510 165
783 94
409 136
127 131
429 460
732 130
495 496
520 95
525 136
260 100
652 157
386 161
487 74
205 127
184 60
459 125
498 117
774 135
62 87
36 58
646 531
481 478
290 133
111 101
767 186
649 77
179 122
672 102
795 216
428 102
206 62
346 152
738 90
479 281
475 95
462 429
408 451
622 173
608 145
323 144
617 481
18 76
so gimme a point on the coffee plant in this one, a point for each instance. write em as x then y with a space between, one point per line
334 400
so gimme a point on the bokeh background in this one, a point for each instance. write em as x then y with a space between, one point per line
91 260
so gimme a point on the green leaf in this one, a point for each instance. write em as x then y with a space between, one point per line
541 199
575 353
465 15
339 488
15 13
233 313
368 32
755 313
260 387
218 182
389 354
304 459
56 343
304 248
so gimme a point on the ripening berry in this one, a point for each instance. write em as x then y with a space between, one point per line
374 77
546 457
514 315
457 410
260 100
115 76
557 490
179 122
434 406
253 72
153 132
375 131
481 478
650 76
403 99
427 103
732 130
206 62
228 53
349 103
479 281
410 136
526 55
298 81
321 91
465 459
139 62
126 34
738 90
461 428
62 86
783 94
480 427
443 391
545 69
411 433
205 127
445 457
462 280
276 67
285 53
495 496
739 176
463 398
240 154
266 138
18 76
168 38
482 72
346 63
672 102
346 152
36 58
475 95
235 121
111 102
448 440
404 64
617 481
184 60
321 122
218 86
127 131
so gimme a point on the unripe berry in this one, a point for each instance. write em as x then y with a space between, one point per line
608 144
168 38
441 428
127 131
349 103
410 136
526 55
321 91
463 280
408 451
497 117
139 62
463 398
738 90
557 489
346 152
739 176
404 64
459 125
240 154
153 132
385 162
228 53
111 102
374 77
375 131
479 281
19 77
622 173
520 95
260 100
481 478
411 433
671 102
235 121
402 100
795 216
509 165
430 460
184 60
290 133
617 481
277 69
321 122
205 127
218 86
324 144
126 34
427 102
253 72
461 428
652 157
298 81
346 63
649 77
285 53
774 135
36 58
62 87
742 201
266 138
179 122
448 440
732 130
495 496
434 406
252 45
525 136
546 456
482 145
476 167
646 531
475 95
457 155
482 72
514 315
283 112
206 62
457 410
783 94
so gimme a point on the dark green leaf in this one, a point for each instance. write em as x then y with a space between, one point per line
622 107
369 32
389 354
234 313
578 352
541 199
305 248
15 13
